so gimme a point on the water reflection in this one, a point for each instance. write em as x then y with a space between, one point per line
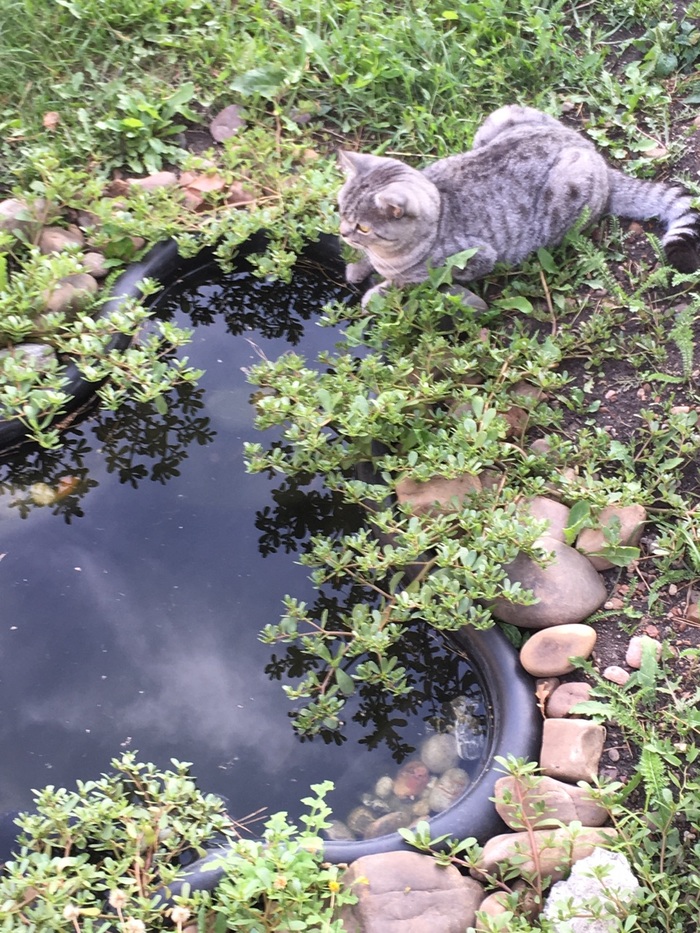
139 564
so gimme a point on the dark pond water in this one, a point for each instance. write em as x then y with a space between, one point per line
139 564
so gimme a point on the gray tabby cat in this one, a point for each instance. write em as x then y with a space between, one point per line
525 183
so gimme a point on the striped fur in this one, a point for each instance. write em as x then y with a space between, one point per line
525 183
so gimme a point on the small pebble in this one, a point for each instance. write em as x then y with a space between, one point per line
616 675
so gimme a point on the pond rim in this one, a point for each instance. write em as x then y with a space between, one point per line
516 722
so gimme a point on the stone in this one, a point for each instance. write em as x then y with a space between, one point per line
59 239
631 520
547 804
493 905
603 877
616 675
547 652
556 514
155 181
17 218
411 779
448 788
226 123
439 752
94 264
571 749
71 294
405 892
557 850
565 697
567 589
438 494
633 657
389 823
36 356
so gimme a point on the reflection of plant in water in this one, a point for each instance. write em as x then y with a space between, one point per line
139 432
248 303
300 513
57 479
34 477
435 675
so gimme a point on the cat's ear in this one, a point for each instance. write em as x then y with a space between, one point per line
357 163
393 201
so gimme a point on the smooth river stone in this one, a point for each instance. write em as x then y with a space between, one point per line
565 697
548 804
547 653
631 520
568 589
556 514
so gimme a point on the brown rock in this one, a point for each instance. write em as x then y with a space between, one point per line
633 657
19 219
72 293
631 520
565 697
557 850
568 589
571 749
616 674
226 123
404 892
556 514
547 652
94 264
546 805
156 180
437 494
58 239
493 905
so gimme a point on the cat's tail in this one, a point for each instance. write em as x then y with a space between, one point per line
671 204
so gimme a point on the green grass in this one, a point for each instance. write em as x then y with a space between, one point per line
90 89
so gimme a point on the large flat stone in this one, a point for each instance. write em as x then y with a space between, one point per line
405 892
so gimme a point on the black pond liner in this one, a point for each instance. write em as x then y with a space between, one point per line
515 722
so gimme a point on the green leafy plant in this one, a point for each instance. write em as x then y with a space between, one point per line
101 858
144 128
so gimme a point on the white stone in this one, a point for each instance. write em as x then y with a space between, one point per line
604 877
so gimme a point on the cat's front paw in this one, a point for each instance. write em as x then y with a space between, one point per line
357 272
375 290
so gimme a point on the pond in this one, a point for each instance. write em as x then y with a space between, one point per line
139 563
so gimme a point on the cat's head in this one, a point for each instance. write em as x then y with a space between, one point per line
387 208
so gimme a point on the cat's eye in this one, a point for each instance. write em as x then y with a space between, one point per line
363 228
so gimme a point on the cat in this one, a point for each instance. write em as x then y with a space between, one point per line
525 183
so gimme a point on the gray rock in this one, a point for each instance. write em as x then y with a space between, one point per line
603 877
568 589
94 264
439 752
438 494
156 180
37 356
405 892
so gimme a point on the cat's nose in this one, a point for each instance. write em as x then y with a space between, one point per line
346 229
